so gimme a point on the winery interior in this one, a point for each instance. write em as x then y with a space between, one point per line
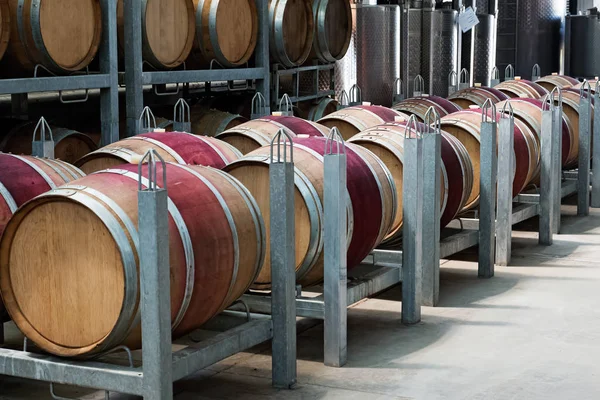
300 199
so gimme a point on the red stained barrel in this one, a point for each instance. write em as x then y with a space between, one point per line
476 96
420 105
522 88
355 119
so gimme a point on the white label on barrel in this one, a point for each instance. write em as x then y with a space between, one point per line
467 19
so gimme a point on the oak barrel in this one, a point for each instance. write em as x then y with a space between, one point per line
571 99
291 31
476 96
89 281
466 126
62 35
4 26
529 111
320 109
226 31
179 147
333 30
69 145
549 82
254 134
168 31
522 88
420 105
371 206
386 141
210 122
355 119
592 83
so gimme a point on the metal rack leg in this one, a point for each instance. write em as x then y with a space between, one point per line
596 152
336 301
155 294
283 262
1 331
412 233
432 151
557 164
505 188
548 180
132 11
109 97
583 175
262 52
487 200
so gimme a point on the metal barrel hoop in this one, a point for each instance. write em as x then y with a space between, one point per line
536 72
182 120
152 155
147 121
42 127
488 106
412 125
464 76
418 86
287 103
335 139
282 137
507 111
509 72
355 95
452 78
432 121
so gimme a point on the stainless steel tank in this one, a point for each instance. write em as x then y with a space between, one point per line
412 47
440 50
582 46
373 58
479 50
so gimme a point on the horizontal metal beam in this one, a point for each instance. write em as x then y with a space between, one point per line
163 77
201 355
311 307
568 188
54 83
523 212
458 242
295 99
92 375
293 71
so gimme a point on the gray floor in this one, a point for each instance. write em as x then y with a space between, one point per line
532 332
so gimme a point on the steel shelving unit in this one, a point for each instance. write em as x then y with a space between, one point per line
106 80
136 77
308 82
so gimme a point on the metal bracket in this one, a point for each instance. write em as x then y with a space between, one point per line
506 173
418 86
182 121
536 73
549 183
42 147
285 106
495 77
344 100
509 73
166 92
585 142
259 106
355 95
452 83
464 81
146 122
397 91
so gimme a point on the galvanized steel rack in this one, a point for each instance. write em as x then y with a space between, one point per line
308 82
136 77
161 365
106 80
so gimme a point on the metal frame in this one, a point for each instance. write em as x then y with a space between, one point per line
161 366
106 80
296 95
136 78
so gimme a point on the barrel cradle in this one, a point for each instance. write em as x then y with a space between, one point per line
81 297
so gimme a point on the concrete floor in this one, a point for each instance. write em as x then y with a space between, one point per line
532 332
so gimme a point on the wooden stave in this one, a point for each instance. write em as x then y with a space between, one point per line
549 82
130 334
206 45
419 106
355 119
213 122
320 47
26 48
179 147
476 96
148 54
571 99
259 132
276 37
5 22
521 88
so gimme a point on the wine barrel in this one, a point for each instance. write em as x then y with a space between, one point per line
386 141
476 96
355 119
466 126
226 31
592 83
210 122
4 26
72 254
69 145
291 31
333 30
63 35
371 205
179 147
529 111
549 82
522 88
420 105
254 134
322 108
571 99
168 31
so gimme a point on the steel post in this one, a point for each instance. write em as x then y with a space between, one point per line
585 129
283 262
596 151
412 231
504 210
261 55
487 200
132 14
432 155
42 147
548 179
153 225
109 97
335 285
557 164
